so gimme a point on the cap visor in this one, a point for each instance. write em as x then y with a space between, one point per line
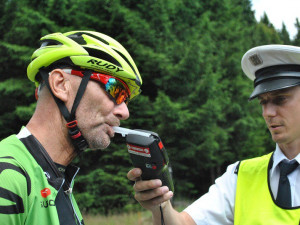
273 85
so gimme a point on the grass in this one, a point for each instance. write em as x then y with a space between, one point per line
132 218
142 217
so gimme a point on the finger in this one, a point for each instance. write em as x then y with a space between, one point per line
134 174
157 200
163 198
151 194
144 185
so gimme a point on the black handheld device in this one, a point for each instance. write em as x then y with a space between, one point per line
148 153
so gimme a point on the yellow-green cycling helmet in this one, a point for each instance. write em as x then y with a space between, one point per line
87 50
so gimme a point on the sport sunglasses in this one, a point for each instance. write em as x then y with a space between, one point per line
115 87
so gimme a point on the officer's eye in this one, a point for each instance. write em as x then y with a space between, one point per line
263 101
279 100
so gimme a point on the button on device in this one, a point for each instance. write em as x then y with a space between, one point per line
160 145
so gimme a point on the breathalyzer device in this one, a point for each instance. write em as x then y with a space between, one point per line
148 153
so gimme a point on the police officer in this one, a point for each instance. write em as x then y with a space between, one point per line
262 190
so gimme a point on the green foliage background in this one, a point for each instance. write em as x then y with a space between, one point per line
194 93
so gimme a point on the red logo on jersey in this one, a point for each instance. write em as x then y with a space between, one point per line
45 192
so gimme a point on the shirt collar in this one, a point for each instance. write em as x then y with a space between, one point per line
24 132
278 156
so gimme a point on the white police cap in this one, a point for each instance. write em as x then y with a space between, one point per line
272 67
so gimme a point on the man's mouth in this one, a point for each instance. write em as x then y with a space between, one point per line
111 132
275 126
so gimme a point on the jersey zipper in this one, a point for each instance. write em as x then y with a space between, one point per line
69 193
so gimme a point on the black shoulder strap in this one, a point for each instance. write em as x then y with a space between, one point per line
236 171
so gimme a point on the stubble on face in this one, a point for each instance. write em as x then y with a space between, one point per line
97 138
95 117
96 127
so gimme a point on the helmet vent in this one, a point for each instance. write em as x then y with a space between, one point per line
79 34
125 58
79 39
102 55
50 42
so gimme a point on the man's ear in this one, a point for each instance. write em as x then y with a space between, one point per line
59 84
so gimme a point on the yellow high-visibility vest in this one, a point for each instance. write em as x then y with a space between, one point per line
254 202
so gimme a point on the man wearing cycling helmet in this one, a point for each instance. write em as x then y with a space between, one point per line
263 190
84 81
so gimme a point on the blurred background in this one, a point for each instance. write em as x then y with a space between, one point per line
194 94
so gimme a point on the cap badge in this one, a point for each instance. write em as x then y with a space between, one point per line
255 60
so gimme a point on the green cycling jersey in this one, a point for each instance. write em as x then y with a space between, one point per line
32 190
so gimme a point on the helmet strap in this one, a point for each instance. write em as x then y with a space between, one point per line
77 138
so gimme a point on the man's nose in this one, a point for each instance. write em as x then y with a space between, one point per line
269 110
121 111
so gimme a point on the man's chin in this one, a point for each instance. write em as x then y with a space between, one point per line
279 139
96 145
98 140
